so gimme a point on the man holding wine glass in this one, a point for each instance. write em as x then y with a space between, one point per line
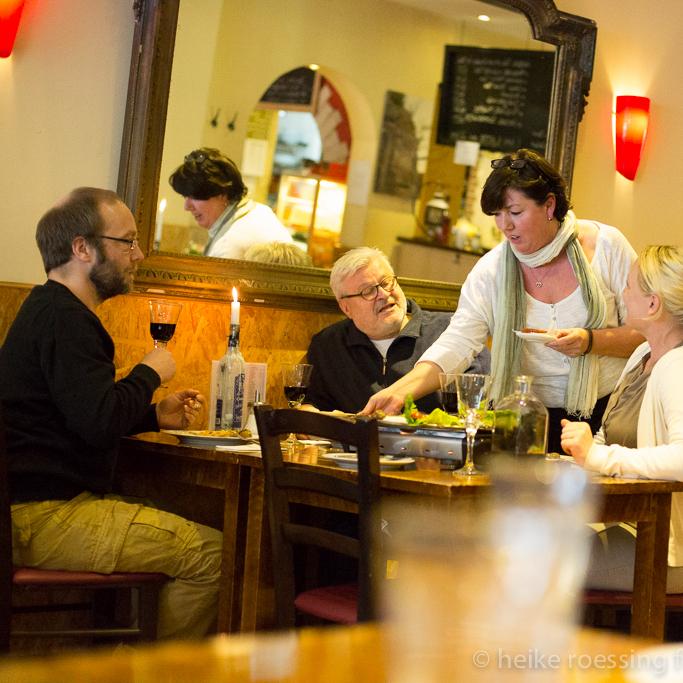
65 414
380 340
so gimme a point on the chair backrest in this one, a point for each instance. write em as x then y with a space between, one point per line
5 545
284 483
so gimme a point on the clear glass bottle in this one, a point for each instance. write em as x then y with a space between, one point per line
521 422
230 389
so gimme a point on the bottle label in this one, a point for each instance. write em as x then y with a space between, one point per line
218 420
238 400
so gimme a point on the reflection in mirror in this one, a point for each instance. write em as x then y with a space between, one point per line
242 97
214 98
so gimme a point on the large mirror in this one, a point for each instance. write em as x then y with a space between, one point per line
154 141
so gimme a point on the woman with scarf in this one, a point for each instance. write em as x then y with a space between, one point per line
552 272
215 194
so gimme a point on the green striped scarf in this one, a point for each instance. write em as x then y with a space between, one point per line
510 315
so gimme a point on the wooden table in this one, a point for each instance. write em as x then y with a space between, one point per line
225 489
333 655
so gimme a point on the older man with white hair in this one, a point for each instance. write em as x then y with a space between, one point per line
380 340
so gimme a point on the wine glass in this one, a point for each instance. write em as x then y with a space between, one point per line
449 392
472 396
163 317
295 379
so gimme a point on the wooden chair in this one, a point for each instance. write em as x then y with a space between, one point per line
28 580
284 484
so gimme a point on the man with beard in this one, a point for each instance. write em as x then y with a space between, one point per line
65 414
379 342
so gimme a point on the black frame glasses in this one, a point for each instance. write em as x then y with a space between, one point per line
369 293
132 243
517 165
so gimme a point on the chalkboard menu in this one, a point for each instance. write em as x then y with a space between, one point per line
498 98
295 89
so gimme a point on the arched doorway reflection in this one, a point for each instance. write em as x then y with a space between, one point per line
299 132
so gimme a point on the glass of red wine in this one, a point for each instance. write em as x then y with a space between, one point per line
163 317
449 392
295 379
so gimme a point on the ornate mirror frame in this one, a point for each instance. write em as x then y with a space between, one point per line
285 286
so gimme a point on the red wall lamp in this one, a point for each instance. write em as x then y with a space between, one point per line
10 14
632 115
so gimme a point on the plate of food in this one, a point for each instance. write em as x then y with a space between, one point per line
349 461
438 419
208 438
532 334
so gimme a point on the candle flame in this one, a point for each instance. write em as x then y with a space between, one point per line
234 294
162 205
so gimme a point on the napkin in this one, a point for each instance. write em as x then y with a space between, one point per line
241 448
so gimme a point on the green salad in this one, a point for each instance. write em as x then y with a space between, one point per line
438 417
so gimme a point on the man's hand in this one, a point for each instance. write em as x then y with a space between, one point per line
572 342
162 362
576 440
180 410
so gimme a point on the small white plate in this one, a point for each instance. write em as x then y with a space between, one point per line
314 442
535 336
349 461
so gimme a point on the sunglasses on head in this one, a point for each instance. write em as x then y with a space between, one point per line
199 157
517 165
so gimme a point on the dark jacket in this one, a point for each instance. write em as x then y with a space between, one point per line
64 411
348 369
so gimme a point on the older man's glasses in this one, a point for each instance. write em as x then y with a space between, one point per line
369 293
132 244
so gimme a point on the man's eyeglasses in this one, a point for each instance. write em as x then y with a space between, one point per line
132 243
369 293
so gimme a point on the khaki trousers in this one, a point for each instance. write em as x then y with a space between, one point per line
108 533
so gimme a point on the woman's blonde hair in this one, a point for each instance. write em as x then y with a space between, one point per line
284 253
660 272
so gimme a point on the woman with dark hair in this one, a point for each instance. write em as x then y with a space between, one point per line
552 272
215 195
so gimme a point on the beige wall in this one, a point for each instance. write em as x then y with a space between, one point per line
62 100
638 53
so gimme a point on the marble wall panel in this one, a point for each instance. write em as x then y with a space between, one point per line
267 335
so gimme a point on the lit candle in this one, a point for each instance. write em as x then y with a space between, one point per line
234 309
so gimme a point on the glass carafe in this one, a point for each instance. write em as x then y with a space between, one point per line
521 422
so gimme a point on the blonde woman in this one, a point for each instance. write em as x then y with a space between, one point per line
642 428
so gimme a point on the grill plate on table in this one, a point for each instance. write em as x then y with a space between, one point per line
442 443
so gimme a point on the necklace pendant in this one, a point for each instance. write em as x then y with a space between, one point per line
539 284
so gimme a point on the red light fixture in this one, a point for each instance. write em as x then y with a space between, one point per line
10 14
632 116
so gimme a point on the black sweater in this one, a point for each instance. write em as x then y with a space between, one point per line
348 369
63 409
